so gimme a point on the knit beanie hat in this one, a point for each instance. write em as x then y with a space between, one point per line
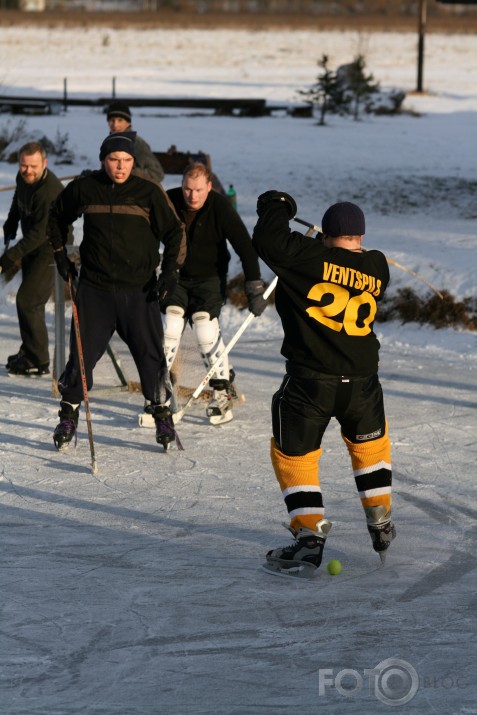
343 219
118 141
119 109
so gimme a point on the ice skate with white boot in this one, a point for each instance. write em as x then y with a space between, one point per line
302 558
381 529
219 409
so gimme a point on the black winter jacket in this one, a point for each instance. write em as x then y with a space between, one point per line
207 253
326 297
29 209
123 225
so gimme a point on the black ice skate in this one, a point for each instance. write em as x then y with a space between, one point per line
302 558
165 432
381 529
25 367
65 430
13 358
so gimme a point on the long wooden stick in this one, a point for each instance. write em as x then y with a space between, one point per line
79 348
416 275
177 416
63 178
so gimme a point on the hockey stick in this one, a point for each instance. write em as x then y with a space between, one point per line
416 275
389 260
120 372
79 348
177 416
307 223
62 178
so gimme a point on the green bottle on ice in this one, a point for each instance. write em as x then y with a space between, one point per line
232 196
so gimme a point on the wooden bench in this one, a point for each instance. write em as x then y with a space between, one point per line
21 105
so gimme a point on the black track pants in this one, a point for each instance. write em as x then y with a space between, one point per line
32 296
137 322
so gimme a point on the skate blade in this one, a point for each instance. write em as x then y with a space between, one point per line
62 447
147 420
29 375
167 446
221 419
281 567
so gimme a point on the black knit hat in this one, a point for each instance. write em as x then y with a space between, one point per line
118 141
119 109
343 219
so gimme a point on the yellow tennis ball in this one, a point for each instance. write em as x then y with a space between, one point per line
334 567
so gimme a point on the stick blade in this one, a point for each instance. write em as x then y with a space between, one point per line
282 567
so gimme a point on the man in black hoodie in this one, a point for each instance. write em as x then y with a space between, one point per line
125 218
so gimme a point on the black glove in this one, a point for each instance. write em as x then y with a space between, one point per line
254 291
7 237
6 263
273 195
164 287
66 268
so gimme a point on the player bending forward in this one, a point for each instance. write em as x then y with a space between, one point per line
326 297
200 293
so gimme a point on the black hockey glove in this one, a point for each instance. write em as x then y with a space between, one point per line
6 263
254 291
273 195
164 287
66 268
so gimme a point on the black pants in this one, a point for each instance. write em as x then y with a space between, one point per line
137 322
303 407
32 296
199 295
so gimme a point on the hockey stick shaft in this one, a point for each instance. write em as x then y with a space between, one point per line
118 368
308 224
416 275
79 348
233 341
62 178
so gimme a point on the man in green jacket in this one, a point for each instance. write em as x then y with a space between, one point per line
36 188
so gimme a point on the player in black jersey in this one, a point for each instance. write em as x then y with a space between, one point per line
326 297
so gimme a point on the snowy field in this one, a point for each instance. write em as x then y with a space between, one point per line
137 591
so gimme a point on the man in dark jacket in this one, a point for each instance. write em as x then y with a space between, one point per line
147 164
210 222
36 188
125 219
326 297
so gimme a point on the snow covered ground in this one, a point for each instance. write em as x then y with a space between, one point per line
137 591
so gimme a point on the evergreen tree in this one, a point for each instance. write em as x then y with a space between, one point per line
356 84
327 94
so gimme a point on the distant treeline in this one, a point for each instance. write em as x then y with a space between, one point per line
291 7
